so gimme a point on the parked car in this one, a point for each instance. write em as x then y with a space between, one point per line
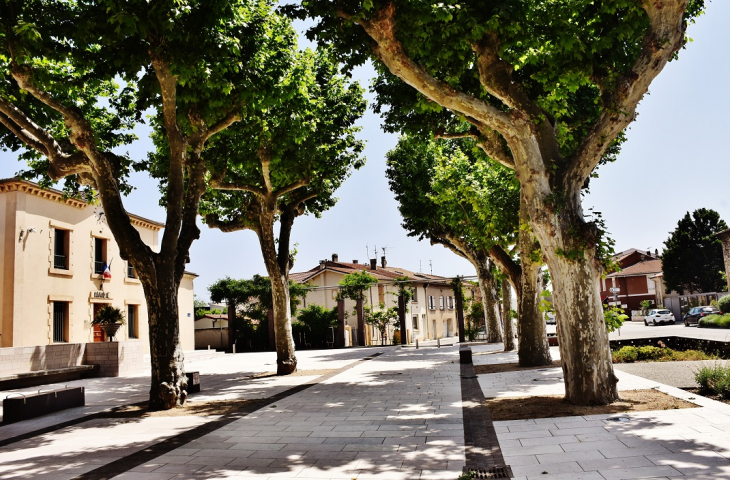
694 315
551 319
659 316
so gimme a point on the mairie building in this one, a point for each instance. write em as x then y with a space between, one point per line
59 264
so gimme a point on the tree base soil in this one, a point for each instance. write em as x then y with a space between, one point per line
201 409
549 406
711 396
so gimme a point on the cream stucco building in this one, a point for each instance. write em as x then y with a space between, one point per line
53 254
430 315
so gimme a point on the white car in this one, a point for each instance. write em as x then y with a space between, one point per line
659 316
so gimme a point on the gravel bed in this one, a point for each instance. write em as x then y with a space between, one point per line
675 374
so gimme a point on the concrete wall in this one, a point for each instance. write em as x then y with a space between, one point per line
117 358
47 357
205 337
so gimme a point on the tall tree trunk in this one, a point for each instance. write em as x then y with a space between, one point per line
360 313
168 385
231 325
402 318
278 269
534 350
486 287
509 334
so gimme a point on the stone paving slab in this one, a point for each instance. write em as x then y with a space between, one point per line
685 443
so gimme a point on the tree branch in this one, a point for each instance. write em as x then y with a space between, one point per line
487 139
240 223
508 266
219 184
665 37
381 28
291 187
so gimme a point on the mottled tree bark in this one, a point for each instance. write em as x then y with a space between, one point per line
509 334
486 287
533 350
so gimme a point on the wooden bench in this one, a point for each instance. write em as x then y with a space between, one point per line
41 377
18 407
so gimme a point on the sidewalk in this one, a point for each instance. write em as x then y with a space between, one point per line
683 444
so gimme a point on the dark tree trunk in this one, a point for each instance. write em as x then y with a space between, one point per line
459 294
360 322
402 318
231 326
168 385
340 329
509 334
533 348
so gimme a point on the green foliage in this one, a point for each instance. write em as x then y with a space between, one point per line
692 260
317 321
108 315
714 380
405 289
657 354
614 318
645 305
382 318
724 304
715 321
545 306
355 284
473 319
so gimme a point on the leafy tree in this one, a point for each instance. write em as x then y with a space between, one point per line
692 260
354 285
78 76
381 319
547 89
318 322
449 193
233 293
285 160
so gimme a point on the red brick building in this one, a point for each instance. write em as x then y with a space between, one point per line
633 281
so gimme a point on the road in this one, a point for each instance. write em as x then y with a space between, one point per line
639 330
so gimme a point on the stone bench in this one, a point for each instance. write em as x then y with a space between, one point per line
18 407
41 377
193 382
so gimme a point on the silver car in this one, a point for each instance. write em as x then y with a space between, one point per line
659 316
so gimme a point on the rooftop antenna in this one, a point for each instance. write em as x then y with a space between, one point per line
384 249
367 252
376 252
430 264
420 266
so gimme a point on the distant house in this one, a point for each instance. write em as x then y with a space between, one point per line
634 283
430 315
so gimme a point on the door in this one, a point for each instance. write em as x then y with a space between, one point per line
98 332
433 323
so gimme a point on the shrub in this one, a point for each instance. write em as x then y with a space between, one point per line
724 304
625 355
653 353
714 380
715 321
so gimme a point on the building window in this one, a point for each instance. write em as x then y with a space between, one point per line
450 302
60 249
131 273
132 324
99 255
441 302
651 286
60 322
415 322
431 302
415 296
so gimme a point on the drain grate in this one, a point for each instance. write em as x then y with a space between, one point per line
491 472
391 373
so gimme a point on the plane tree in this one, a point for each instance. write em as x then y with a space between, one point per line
286 159
447 192
546 87
76 77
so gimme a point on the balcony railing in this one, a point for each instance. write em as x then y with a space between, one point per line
99 267
59 261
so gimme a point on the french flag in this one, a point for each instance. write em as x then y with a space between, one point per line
107 274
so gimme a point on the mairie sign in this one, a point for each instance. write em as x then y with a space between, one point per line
101 294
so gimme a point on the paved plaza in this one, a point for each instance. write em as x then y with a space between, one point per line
385 413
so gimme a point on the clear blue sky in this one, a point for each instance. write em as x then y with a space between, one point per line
675 161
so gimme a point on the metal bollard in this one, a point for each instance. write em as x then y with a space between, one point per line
416 344
438 342
234 348
208 347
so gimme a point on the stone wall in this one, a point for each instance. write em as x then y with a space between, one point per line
43 357
117 358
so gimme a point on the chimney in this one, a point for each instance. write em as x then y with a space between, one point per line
322 264
355 262
335 257
373 264
383 263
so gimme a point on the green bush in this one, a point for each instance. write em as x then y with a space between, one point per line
714 380
724 304
715 321
657 354
625 355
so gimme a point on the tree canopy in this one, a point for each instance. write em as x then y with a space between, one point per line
355 284
692 260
